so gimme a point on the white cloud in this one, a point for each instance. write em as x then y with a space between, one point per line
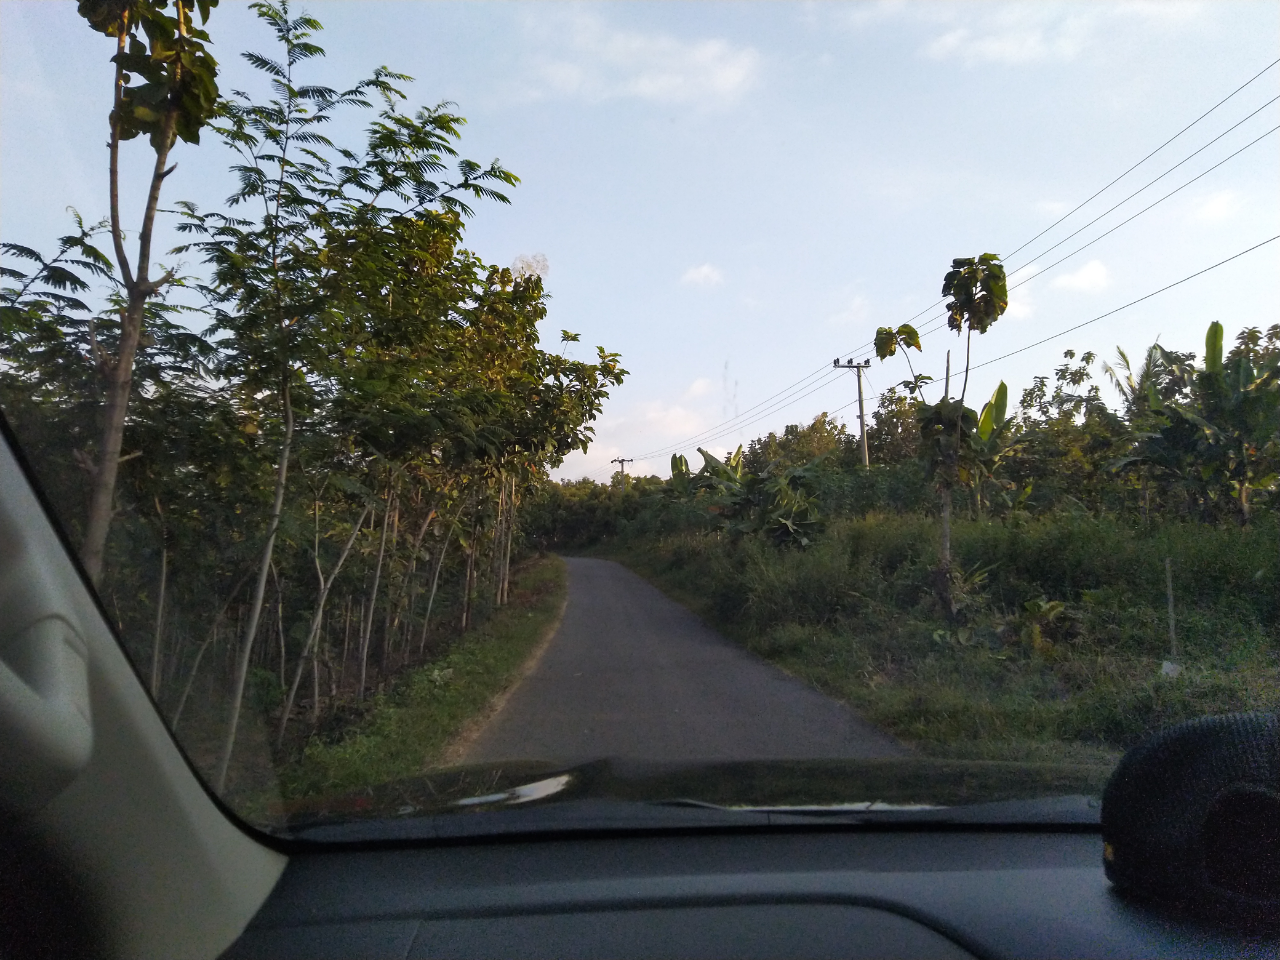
1020 308
527 265
1217 207
1018 40
669 419
699 388
1052 208
1090 278
588 58
856 311
1038 33
704 275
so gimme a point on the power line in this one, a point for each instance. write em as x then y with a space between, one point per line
1063 333
702 438
1149 206
1109 313
1135 166
826 382
1147 157
1161 177
1129 219
705 434
1103 316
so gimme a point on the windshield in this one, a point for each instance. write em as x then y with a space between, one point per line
865 409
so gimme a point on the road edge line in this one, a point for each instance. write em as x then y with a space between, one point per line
455 753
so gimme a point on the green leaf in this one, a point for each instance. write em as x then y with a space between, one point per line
886 342
1213 348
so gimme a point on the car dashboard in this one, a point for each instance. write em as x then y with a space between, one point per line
810 893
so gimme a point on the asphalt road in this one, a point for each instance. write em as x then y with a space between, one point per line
631 674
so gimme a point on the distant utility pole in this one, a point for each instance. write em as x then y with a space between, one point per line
862 415
622 466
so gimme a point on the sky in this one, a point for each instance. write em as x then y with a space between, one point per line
731 195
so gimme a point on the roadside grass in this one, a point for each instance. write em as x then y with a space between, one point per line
853 616
409 729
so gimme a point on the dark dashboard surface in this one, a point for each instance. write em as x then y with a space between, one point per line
819 893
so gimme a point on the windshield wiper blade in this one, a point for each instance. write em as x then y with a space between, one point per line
584 815
596 815
1073 809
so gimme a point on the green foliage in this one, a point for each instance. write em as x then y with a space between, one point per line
797 446
978 291
887 342
178 92
1064 625
778 502
341 457
1216 438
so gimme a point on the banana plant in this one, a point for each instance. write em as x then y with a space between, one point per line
680 486
779 504
1224 434
987 444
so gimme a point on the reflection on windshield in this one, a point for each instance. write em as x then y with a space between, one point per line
318 459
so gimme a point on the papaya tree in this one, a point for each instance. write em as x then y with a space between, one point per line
948 429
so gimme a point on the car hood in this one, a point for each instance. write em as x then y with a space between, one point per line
617 794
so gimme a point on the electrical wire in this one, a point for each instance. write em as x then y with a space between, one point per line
708 436
1109 313
1101 236
1147 157
697 438
1161 177
1099 193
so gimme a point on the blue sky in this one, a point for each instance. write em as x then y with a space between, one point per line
730 195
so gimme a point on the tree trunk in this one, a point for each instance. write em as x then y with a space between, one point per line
435 582
946 528
511 530
118 371
158 644
275 578
315 686
346 643
213 635
499 536
366 629
259 595
944 567
411 580
387 627
317 620
468 580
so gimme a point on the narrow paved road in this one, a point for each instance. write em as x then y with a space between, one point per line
633 674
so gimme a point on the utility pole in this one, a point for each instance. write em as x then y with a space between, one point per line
622 466
862 414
